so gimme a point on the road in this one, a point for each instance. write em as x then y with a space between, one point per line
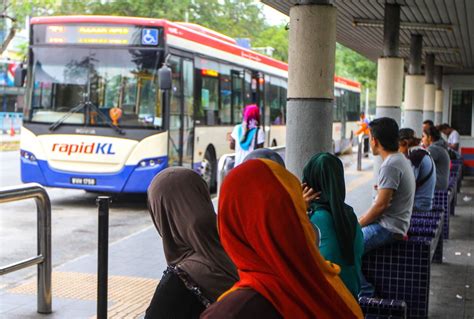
74 222
74 217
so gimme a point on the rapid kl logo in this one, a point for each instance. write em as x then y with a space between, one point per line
92 148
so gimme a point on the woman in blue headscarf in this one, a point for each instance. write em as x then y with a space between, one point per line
341 240
248 135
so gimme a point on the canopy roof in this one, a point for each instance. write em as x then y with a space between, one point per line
447 27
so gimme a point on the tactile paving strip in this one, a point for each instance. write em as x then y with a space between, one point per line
130 296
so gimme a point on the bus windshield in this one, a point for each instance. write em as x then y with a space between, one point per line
110 79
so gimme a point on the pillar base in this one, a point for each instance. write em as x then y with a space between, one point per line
393 112
414 120
308 131
428 115
438 118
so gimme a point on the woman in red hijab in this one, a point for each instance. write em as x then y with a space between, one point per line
264 229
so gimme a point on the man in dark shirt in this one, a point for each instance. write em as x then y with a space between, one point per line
433 142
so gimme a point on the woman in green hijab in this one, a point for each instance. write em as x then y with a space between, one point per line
341 239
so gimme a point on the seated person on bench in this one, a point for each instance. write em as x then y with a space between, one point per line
388 219
423 168
433 142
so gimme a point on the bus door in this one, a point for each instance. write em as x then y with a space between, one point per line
181 121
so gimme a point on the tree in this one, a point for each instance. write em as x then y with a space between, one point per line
275 37
352 65
16 11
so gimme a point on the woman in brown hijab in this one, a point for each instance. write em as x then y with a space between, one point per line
198 270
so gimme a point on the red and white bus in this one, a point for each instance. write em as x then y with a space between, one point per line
96 118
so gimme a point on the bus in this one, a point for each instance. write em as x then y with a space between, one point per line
111 101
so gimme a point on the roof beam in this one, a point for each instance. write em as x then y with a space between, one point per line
413 26
449 50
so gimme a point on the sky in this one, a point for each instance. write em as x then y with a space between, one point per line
274 17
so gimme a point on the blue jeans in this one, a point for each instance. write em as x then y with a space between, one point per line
374 236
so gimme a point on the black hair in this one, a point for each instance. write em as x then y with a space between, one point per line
385 131
444 126
433 132
429 122
408 135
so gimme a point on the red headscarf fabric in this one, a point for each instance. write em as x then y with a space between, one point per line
264 229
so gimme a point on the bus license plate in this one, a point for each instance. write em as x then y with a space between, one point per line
82 181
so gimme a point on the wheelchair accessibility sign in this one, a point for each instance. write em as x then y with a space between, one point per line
150 37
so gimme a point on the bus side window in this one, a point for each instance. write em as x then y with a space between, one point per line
336 114
277 111
267 100
353 108
207 78
283 95
237 97
248 88
210 99
225 88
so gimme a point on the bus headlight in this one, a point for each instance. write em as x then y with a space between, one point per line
28 156
150 162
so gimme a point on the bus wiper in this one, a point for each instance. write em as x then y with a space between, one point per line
88 106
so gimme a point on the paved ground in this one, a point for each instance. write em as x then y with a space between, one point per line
452 289
74 222
136 264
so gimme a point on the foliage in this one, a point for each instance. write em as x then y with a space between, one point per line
354 66
235 18
275 37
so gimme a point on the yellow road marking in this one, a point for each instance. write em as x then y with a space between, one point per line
130 296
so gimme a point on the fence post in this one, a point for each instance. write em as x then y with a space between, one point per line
359 152
44 249
103 256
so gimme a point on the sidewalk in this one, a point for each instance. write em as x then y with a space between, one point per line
136 264
134 272
9 143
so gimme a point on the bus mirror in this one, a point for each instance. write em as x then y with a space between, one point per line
20 75
164 74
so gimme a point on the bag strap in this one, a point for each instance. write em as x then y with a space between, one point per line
425 178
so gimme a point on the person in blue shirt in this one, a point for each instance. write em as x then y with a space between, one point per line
423 167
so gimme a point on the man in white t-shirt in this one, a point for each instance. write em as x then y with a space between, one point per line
453 136
247 136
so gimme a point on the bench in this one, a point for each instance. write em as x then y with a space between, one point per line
443 198
383 308
429 227
455 178
401 271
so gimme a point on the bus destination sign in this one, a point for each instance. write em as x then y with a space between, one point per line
96 34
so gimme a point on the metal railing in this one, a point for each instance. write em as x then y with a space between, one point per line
43 259
226 164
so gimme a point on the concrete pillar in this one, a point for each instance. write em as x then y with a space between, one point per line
390 67
429 94
439 95
389 72
414 87
312 49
